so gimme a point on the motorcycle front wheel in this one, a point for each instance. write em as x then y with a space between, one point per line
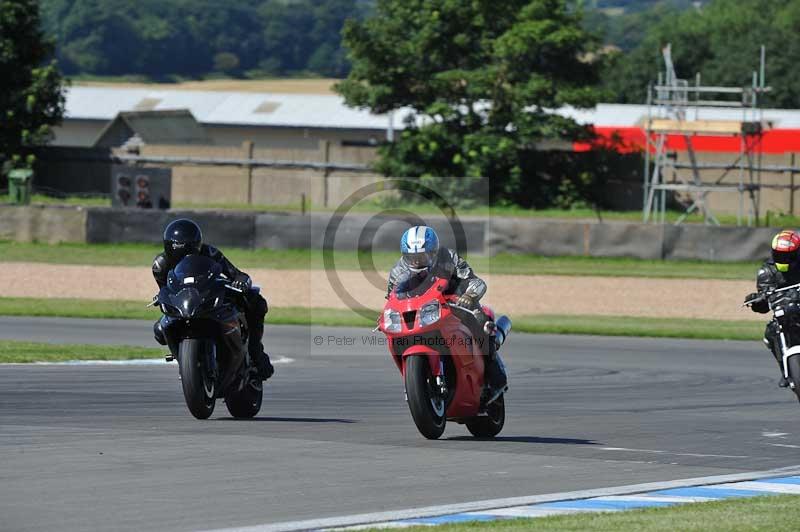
199 389
427 409
794 374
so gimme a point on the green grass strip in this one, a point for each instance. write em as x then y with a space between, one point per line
643 327
142 255
768 514
24 352
542 324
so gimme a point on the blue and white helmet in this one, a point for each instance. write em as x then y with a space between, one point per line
419 246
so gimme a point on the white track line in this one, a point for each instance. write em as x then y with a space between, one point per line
497 504
655 451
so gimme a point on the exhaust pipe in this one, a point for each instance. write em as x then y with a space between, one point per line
502 328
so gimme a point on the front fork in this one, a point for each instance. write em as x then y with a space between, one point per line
439 382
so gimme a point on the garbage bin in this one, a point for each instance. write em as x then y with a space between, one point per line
20 182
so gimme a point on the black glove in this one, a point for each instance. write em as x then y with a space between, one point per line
242 283
466 300
754 297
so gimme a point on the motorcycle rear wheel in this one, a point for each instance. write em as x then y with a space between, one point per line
245 403
491 424
199 389
427 411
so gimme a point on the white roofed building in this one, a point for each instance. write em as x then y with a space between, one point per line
293 121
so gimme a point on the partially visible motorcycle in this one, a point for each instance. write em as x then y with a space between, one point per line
785 306
442 363
207 334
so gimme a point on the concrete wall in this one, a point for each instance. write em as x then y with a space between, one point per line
51 225
265 186
619 239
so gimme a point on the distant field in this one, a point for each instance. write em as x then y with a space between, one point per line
282 86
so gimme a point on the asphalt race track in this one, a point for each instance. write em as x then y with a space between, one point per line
112 447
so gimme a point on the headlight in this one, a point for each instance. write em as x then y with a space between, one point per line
391 321
429 313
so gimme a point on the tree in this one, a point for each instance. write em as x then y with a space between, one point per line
31 97
482 78
722 42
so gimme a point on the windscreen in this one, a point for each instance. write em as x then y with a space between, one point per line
195 270
414 284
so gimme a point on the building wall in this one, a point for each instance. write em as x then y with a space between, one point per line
265 185
727 202
286 137
78 133
83 133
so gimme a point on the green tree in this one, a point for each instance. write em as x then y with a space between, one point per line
31 97
722 42
482 78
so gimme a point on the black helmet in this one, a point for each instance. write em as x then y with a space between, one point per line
182 237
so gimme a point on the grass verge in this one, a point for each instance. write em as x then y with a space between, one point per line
142 255
24 352
754 514
543 324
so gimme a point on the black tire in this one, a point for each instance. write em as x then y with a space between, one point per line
491 424
428 412
794 373
246 403
199 389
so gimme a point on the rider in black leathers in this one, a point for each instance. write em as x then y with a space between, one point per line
183 237
445 263
780 270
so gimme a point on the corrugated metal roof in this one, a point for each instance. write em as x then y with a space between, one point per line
327 111
234 108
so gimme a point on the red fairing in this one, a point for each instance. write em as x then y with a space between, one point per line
447 343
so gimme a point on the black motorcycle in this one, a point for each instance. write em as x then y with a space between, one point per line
785 306
207 333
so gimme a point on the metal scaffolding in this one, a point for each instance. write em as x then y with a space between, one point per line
676 109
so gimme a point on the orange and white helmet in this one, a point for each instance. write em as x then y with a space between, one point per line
786 250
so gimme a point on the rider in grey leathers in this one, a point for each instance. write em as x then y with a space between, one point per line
422 255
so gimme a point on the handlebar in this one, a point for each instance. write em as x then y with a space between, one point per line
765 295
476 313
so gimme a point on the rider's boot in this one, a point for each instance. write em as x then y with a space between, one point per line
496 377
771 343
257 309
261 361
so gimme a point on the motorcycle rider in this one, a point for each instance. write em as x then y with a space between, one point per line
780 270
183 237
422 255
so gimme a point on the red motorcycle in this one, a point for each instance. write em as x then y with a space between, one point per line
442 363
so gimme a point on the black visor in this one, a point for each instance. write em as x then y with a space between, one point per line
418 261
178 250
784 257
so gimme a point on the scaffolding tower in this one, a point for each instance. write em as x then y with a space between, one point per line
677 109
